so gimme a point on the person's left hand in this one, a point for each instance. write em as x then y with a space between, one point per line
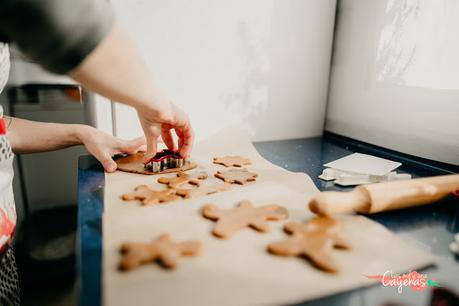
103 146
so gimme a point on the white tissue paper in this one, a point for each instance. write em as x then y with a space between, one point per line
358 169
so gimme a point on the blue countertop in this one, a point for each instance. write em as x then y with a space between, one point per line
429 228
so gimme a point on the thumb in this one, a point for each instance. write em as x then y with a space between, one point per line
152 131
107 162
152 142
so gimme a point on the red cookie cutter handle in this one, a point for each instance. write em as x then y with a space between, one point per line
456 193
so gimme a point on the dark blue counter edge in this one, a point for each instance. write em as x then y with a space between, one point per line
90 203
89 232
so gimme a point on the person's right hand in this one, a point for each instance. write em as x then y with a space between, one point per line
160 121
115 69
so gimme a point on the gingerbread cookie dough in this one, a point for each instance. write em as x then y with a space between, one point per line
229 221
236 176
201 191
147 196
315 240
163 250
134 164
232 161
183 178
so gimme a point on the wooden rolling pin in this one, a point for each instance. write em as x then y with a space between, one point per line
379 197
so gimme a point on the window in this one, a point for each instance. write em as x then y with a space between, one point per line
395 76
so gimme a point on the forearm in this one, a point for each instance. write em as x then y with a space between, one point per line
115 69
31 136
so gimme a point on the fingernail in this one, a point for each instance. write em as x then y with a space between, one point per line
111 168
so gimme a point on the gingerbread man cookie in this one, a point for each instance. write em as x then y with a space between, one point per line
163 250
315 240
183 178
244 215
201 191
232 161
236 176
147 196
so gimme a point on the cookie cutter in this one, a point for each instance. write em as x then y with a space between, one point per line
165 159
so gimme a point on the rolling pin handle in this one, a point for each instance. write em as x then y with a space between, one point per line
373 198
332 202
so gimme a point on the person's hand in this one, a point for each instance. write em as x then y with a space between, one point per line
116 70
160 122
103 146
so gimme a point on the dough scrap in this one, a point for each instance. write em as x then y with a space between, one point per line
232 161
236 176
314 240
163 250
229 221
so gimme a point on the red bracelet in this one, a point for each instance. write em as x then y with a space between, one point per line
2 126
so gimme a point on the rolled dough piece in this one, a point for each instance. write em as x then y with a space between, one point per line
134 164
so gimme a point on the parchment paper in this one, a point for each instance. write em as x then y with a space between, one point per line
237 271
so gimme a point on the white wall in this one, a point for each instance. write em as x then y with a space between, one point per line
395 76
263 64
